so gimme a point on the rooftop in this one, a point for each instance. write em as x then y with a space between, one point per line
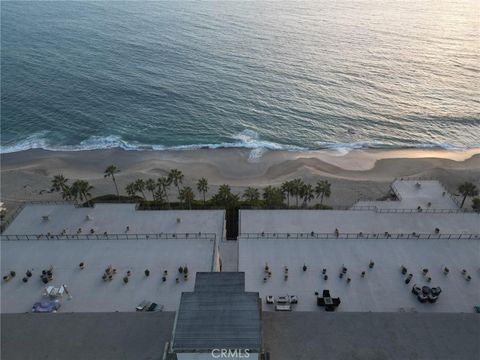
356 221
383 288
219 314
113 218
367 336
89 292
428 194
287 336
74 336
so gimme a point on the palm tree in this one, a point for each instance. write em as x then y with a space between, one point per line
225 197
81 190
59 184
273 197
287 188
131 189
224 191
308 193
297 185
467 189
110 171
176 178
187 196
140 187
476 204
323 189
202 187
151 186
163 184
251 194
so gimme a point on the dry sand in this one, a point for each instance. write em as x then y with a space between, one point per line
359 174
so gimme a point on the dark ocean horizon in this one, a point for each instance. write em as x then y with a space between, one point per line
287 75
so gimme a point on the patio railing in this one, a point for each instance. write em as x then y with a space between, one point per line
313 235
111 236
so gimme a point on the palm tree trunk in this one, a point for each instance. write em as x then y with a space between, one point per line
116 187
204 201
166 198
321 199
463 201
288 199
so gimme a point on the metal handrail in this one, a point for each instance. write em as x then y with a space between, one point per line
110 236
314 235
428 211
11 217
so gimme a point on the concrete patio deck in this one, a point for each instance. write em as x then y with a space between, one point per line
89 292
383 288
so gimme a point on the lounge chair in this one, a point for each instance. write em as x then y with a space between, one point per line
152 307
143 305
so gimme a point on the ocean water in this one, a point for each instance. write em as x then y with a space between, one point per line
263 75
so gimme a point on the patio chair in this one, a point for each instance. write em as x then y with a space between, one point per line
436 290
416 289
422 298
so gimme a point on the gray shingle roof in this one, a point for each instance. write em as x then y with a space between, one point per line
219 314
224 282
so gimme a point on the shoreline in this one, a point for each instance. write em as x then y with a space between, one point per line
357 175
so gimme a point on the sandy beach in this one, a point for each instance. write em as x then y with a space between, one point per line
356 175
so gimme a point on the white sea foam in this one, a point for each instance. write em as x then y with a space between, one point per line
246 139
34 141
